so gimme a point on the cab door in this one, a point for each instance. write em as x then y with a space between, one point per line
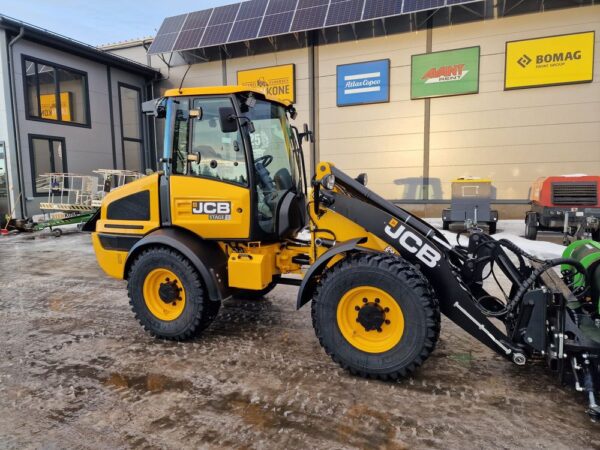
210 196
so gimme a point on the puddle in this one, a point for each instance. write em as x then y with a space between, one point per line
152 382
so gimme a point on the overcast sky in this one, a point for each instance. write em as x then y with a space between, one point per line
101 21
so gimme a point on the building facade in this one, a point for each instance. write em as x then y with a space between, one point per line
413 147
66 107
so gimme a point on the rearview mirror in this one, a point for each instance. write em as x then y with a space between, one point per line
228 120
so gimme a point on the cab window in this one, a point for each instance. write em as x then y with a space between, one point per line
221 155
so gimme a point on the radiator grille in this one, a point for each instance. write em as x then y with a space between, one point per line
574 193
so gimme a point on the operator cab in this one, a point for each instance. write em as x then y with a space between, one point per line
226 147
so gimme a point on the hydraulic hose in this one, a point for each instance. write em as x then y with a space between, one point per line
540 270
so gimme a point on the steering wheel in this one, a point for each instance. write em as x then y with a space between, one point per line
264 160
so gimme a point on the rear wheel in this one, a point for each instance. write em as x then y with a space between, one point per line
531 227
445 225
167 295
375 315
492 227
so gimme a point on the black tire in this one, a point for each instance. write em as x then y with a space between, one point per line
250 294
531 231
596 235
492 228
199 311
409 289
445 225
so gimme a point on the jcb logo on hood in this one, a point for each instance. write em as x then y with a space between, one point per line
413 243
214 210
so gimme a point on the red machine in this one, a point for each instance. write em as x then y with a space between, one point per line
568 203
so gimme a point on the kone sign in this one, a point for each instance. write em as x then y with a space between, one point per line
275 81
362 83
549 61
450 72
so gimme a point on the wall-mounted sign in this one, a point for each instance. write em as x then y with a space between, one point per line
361 83
48 106
276 81
549 61
450 72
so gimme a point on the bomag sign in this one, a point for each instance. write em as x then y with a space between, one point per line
550 61
275 81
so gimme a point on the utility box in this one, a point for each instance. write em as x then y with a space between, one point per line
471 204
249 271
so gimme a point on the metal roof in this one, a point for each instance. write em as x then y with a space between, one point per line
72 46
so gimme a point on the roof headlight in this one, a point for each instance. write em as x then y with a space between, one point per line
328 181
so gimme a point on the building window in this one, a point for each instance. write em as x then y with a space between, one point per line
48 155
55 93
131 127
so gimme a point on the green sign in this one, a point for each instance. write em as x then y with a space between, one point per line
451 72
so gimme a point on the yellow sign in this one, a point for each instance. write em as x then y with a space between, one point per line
549 61
48 106
276 81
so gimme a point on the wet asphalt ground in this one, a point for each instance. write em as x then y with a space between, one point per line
77 371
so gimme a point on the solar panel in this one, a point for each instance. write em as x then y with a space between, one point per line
188 39
252 9
346 11
198 19
245 29
172 24
311 3
421 5
279 6
276 24
163 43
252 19
381 8
309 18
215 35
224 14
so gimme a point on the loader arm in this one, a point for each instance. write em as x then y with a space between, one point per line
423 246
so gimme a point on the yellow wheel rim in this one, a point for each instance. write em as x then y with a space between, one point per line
370 319
164 294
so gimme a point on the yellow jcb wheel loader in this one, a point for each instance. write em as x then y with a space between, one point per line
223 218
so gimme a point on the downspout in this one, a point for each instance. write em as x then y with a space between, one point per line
16 128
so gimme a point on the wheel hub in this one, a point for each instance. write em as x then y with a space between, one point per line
169 291
370 319
371 316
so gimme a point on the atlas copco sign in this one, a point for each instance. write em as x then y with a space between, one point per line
362 83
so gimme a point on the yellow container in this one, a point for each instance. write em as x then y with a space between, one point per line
249 271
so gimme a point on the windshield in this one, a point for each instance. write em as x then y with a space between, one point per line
273 146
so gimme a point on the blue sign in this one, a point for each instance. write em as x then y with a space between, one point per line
361 83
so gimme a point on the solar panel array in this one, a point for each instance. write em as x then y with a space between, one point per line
255 19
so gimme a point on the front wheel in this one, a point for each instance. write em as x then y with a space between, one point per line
167 295
376 316
531 227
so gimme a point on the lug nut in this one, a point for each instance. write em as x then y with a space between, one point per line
379 330
377 300
386 309
365 300
357 308
387 322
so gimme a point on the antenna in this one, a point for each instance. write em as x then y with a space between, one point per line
183 78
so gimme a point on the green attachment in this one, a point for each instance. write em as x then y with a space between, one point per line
587 252
69 220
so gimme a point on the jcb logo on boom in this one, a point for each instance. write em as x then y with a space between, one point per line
214 210
413 243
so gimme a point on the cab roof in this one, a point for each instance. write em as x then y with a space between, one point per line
223 90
